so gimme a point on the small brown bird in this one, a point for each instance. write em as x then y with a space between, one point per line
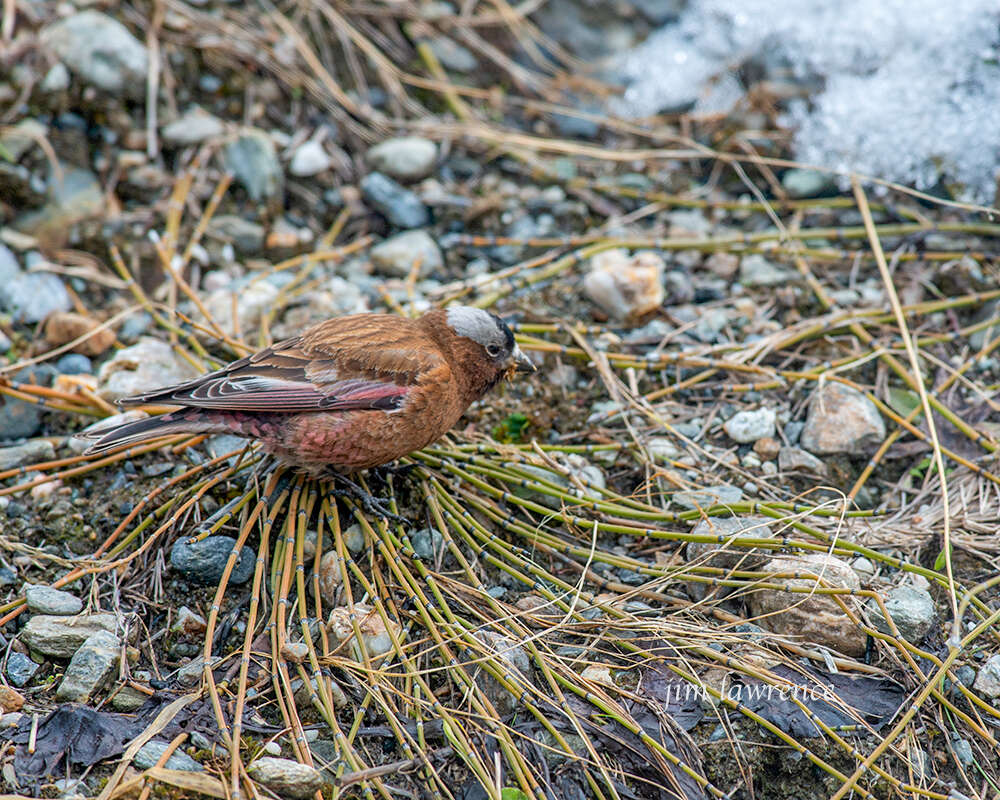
350 393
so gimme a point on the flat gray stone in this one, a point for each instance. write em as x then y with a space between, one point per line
397 255
61 637
46 600
150 753
912 610
32 452
710 496
90 668
193 127
286 777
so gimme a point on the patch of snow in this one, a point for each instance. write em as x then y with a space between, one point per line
904 90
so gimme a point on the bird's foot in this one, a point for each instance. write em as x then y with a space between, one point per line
394 468
370 503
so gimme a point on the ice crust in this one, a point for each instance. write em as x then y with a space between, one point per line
906 90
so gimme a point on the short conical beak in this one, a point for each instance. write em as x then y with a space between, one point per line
521 362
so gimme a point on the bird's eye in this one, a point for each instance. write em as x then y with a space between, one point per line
492 350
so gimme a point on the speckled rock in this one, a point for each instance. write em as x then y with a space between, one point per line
60 637
911 608
101 50
841 420
90 668
749 426
151 752
709 496
810 618
147 365
988 678
286 777
796 459
625 287
376 637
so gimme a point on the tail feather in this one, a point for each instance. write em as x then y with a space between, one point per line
144 429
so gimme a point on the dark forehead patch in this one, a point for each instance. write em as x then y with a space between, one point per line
508 334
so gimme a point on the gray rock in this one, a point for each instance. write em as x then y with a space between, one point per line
246 236
911 608
31 296
46 600
397 204
571 125
807 616
397 254
18 419
90 668
74 364
194 126
514 660
252 159
841 420
60 637
205 561
9 266
31 452
101 51
128 699
662 449
963 752
74 195
146 365
20 669
309 159
801 183
151 752
452 55
988 678
711 322
749 426
286 777
427 543
755 270
713 495
57 79
5 342
406 158
251 302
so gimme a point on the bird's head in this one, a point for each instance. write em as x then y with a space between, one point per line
495 347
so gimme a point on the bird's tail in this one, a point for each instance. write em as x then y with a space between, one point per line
150 428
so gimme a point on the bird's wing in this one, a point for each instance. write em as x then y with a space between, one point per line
350 363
